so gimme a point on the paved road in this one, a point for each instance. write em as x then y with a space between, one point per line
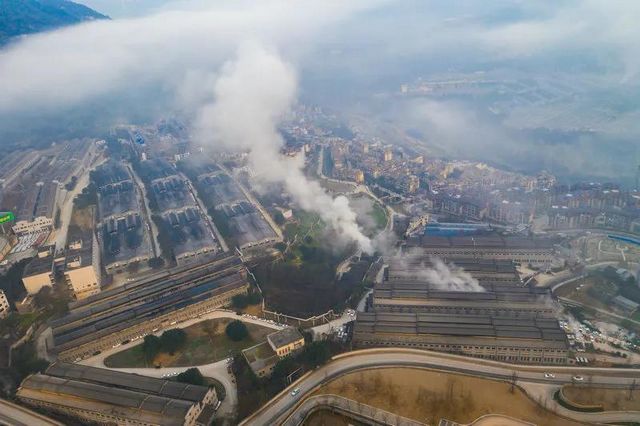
278 408
15 415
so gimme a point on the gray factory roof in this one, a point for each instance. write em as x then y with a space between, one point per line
173 410
412 289
133 382
217 263
408 262
88 326
525 304
480 241
39 265
284 337
547 331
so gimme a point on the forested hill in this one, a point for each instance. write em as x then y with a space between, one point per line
18 17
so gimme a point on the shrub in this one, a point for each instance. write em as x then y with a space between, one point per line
236 330
172 340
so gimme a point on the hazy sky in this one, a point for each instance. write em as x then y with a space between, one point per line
157 57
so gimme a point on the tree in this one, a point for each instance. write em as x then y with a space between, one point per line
155 262
133 267
239 301
279 218
191 376
172 340
236 330
316 353
151 347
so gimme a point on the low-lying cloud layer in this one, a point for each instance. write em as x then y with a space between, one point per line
344 51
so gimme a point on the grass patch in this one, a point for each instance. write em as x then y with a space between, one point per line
206 343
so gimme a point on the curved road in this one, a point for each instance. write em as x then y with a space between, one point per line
276 410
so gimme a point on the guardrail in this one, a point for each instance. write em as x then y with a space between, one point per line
349 407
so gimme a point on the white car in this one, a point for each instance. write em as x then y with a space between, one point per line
578 378
295 391
549 376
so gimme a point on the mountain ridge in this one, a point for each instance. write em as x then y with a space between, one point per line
21 17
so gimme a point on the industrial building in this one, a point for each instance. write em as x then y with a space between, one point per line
82 272
499 300
104 396
39 272
192 239
532 251
500 319
263 357
138 308
411 266
286 341
123 233
537 341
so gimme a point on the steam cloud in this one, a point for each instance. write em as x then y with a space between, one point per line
442 276
250 96
451 277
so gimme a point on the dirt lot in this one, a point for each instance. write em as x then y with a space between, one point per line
583 290
611 399
428 396
206 343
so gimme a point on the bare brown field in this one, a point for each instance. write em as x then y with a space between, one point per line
428 396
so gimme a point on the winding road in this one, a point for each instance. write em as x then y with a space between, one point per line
278 409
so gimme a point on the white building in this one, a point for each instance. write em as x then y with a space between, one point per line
4 305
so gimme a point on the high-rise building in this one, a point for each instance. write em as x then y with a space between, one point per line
82 268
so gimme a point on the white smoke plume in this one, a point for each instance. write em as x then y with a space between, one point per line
442 276
450 277
251 94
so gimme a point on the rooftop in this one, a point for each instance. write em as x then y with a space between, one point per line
525 330
134 382
43 263
480 241
96 397
284 337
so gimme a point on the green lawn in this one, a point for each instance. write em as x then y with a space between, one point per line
379 216
206 343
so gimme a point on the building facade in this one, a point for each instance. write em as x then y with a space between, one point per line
82 268
510 340
109 397
4 305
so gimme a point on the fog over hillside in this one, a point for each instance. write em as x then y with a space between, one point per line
519 84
